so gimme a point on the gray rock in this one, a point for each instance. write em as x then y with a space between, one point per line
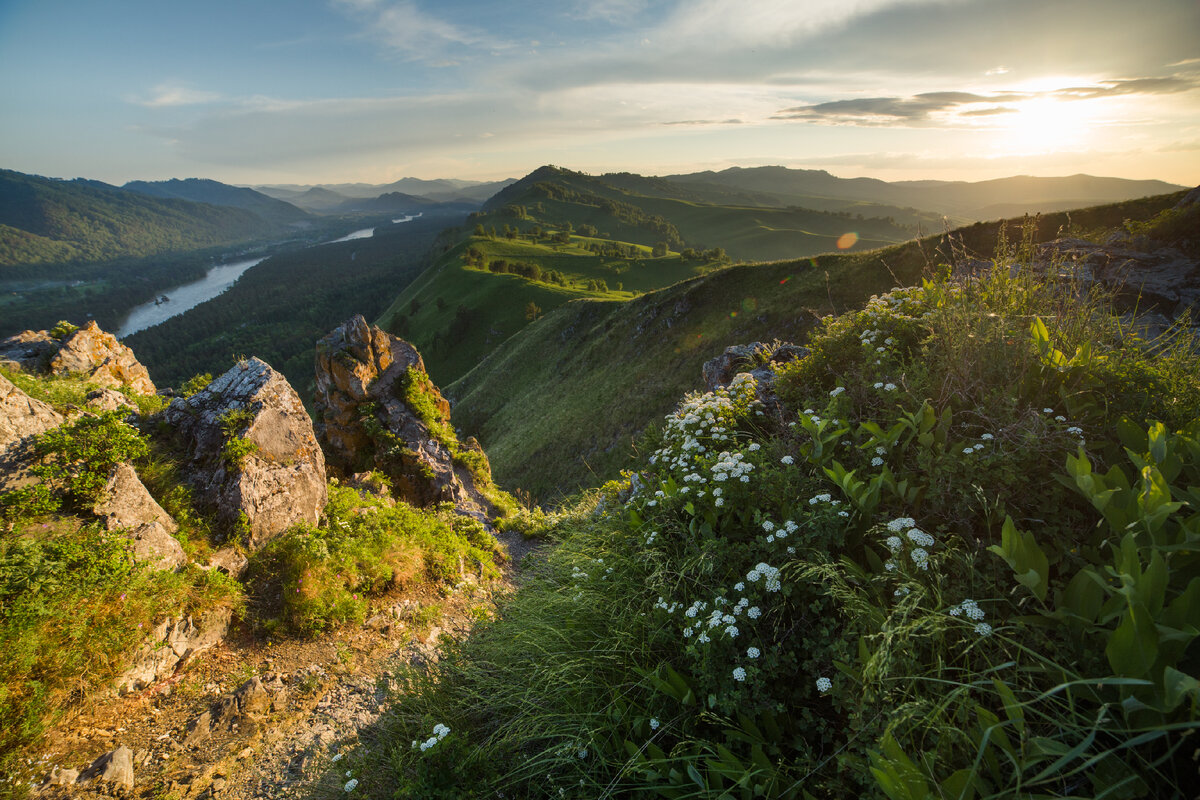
172 642
282 480
125 504
110 773
61 777
757 359
30 351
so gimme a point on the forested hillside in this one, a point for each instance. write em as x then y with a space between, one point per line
47 221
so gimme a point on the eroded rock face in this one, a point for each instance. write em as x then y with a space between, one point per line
101 359
364 372
279 478
125 504
170 643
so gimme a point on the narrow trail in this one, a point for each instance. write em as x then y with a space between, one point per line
254 719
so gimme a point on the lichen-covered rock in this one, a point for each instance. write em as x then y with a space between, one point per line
378 409
254 455
125 504
101 359
170 643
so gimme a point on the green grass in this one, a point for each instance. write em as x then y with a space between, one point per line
327 576
495 304
960 564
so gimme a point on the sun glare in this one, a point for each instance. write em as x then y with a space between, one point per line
1042 125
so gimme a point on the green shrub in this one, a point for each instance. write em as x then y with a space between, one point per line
327 575
62 330
77 458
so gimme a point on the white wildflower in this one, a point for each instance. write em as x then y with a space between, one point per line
824 685
753 652
739 674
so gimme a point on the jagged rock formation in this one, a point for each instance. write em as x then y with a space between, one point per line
111 773
125 504
90 352
254 455
173 641
100 358
378 408
241 708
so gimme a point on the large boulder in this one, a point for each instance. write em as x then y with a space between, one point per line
758 359
378 409
126 505
254 454
101 359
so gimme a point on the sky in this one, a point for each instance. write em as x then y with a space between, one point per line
331 91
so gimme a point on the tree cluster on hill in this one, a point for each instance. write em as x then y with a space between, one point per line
625 212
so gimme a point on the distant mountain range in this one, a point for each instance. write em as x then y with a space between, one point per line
959 200
321 197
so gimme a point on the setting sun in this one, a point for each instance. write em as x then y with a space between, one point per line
1043 125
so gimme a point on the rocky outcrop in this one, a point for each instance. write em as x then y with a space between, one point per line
21 416
240 709
172 642
254 455
126 505
759 360
366 379
21 419
29 351
88 352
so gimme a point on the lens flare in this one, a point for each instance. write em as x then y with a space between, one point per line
847 240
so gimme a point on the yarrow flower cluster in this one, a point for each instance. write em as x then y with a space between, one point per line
768 574
440 732
824 685
918 539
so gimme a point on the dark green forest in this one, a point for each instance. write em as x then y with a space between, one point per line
280 308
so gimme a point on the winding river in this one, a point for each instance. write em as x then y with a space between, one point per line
216 281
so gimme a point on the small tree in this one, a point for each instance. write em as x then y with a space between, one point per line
532 311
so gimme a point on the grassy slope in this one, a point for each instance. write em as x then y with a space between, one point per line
557 406
498 302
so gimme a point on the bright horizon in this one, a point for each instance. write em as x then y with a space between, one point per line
372 91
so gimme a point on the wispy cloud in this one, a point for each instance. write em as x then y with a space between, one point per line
925 107
166 95
416 34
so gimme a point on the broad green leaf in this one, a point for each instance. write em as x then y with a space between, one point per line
1133 646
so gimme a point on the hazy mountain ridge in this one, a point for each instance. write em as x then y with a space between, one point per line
201 190
967 200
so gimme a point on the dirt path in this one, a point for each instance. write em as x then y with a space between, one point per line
254 719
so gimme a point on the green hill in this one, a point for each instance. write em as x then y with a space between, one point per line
47 221
558 405
478 293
